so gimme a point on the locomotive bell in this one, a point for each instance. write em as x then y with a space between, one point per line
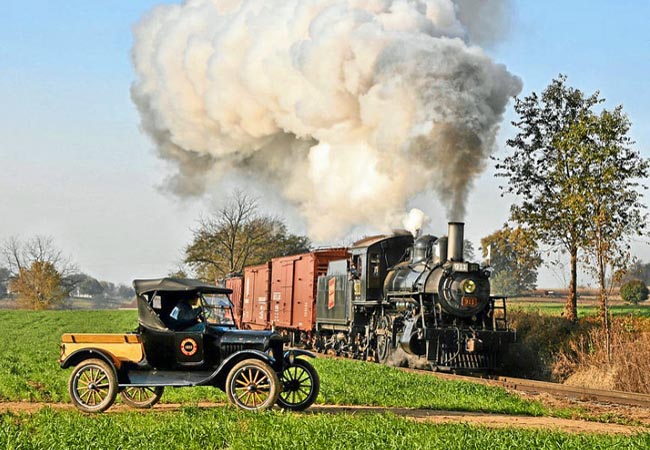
455 243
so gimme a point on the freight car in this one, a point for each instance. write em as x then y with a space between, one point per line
383 294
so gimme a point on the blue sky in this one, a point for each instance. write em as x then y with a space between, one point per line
76 167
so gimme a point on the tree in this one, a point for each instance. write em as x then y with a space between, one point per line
39 272
615 212
236 236
468 251
548 173
638 271
514 258
4 281
634 291
86 285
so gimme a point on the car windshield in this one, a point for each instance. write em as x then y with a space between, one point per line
218 309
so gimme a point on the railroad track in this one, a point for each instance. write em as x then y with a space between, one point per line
575 392
538 387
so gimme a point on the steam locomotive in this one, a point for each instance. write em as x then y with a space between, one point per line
382 294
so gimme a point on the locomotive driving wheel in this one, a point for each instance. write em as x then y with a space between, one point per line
384 333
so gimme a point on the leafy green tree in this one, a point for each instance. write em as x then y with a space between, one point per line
86 285
514 258
40 273
612 194
549 174
634 291
236 236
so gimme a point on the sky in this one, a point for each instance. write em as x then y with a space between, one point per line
74 164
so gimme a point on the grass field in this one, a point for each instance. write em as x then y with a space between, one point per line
29 371
194 428
585 307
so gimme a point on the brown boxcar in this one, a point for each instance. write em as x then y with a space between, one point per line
293 287
257 285
237 297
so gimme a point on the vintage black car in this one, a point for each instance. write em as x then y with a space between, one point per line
186 337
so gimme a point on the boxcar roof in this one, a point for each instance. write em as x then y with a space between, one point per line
177 285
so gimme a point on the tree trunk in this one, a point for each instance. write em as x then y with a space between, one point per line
571 307
604 306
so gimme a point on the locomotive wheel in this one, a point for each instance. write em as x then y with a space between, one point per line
383 339
300 386
252 385
141 397
93 386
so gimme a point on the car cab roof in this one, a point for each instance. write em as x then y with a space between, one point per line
177 285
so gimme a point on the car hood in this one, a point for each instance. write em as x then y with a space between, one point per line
250 337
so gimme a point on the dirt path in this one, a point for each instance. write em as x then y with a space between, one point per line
420 415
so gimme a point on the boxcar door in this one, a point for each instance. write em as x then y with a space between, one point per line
283 294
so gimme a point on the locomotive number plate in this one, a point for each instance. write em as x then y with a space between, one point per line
469 301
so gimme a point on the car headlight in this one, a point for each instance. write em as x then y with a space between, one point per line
469 286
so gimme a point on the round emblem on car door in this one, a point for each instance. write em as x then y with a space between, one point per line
189 346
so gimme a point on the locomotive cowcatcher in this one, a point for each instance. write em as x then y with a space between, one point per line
186 337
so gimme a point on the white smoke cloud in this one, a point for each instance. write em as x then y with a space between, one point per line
347 107
415 220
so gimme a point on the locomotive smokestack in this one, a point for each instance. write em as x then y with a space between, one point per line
455 244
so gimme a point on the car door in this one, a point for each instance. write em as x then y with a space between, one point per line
188 348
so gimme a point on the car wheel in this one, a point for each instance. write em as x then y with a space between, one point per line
141 397
93 386
252 385
300 384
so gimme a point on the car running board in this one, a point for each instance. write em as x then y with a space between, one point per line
173 378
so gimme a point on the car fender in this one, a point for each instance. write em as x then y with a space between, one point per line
86 353
291 354
218 377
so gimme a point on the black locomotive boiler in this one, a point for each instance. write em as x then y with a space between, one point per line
419 295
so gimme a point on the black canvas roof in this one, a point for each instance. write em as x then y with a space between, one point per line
177 285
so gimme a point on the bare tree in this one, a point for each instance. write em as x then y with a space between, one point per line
237 235
39 272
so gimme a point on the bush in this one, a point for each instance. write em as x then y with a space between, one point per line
539 339
634 291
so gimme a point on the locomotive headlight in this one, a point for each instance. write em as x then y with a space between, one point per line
469 286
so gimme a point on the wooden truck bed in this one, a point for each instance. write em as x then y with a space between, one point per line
123 347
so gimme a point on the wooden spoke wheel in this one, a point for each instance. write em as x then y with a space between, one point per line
93 385
252 385
300 386
141 397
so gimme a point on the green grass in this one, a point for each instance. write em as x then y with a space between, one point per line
194 428
364 383
556 308
29 371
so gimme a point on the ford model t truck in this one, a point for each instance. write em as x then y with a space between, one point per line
186 337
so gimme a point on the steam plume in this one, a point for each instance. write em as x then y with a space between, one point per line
347 107
415 220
